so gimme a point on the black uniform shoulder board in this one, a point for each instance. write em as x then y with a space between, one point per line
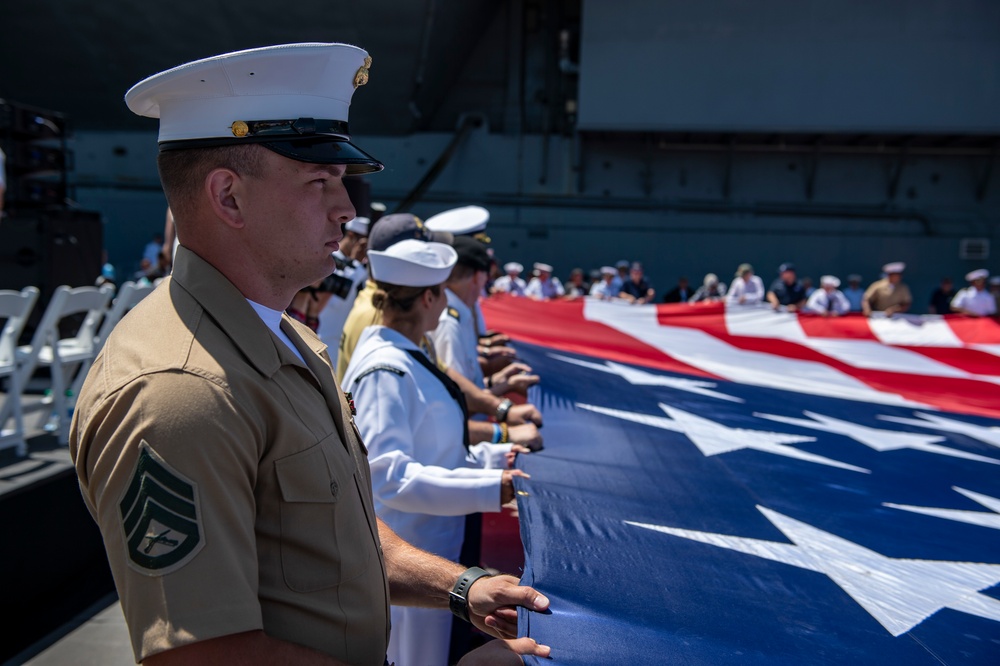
376 368
454 313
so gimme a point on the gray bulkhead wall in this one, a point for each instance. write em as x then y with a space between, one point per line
590 198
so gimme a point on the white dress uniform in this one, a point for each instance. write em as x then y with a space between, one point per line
422 483
822 302
551 288
751 290
514 286
981 302
456 339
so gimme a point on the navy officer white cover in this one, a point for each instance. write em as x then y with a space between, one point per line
413 263
292 98
463 221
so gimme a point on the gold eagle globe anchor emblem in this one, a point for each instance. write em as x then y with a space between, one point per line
361 77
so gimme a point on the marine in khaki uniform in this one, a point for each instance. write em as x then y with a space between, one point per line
213 445
888 295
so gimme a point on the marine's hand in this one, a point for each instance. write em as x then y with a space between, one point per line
526 413
493 603
504 652
527 435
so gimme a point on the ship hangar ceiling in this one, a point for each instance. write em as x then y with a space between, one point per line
78 57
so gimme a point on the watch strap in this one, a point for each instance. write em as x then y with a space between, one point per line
458 598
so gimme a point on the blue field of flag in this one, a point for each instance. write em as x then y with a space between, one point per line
675 520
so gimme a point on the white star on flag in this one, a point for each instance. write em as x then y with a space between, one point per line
880 440
642 378
899 593
713 438
981 518
934 422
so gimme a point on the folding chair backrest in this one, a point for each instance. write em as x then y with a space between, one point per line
65 302
15 306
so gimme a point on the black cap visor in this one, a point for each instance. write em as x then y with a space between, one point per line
327 150
315 149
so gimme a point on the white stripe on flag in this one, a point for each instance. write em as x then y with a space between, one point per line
761 321
704 351
925 331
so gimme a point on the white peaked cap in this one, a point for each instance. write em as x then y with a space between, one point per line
277 95
978 274
894 267
359 225
413 263
460 221
608 270
543 267
829 281
512 267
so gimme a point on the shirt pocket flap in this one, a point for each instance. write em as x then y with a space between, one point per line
305 477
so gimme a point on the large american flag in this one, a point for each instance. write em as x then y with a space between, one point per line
749 486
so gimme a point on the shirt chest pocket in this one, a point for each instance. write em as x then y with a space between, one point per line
325 539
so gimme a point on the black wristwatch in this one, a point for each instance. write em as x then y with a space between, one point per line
458 598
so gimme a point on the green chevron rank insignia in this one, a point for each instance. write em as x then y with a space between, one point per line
160 516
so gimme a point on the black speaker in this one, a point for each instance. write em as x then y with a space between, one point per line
49 248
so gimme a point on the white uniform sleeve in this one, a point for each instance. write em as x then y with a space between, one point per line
735 291
817 302
487 455
959 300
448 345
389 408
534 288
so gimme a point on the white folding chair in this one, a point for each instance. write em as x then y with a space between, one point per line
129 295
63 355
15 306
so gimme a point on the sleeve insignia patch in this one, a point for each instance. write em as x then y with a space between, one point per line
452 312
376 368
159 516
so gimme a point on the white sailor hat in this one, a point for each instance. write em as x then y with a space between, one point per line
829 281
512 267
894 267
978 274
358 225
545 268
291 98
413 263
608 270
462 221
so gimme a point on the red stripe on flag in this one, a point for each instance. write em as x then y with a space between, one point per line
851 327
561 325
975 330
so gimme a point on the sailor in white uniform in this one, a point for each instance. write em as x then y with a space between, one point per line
511 283
975 300
828 300
344 283
544 286
412 417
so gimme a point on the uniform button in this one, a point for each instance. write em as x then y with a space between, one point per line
334 488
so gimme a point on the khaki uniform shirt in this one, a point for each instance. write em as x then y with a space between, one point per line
363 314
883 294
228 479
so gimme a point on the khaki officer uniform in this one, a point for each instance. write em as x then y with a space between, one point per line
883 294
228 478
363 314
